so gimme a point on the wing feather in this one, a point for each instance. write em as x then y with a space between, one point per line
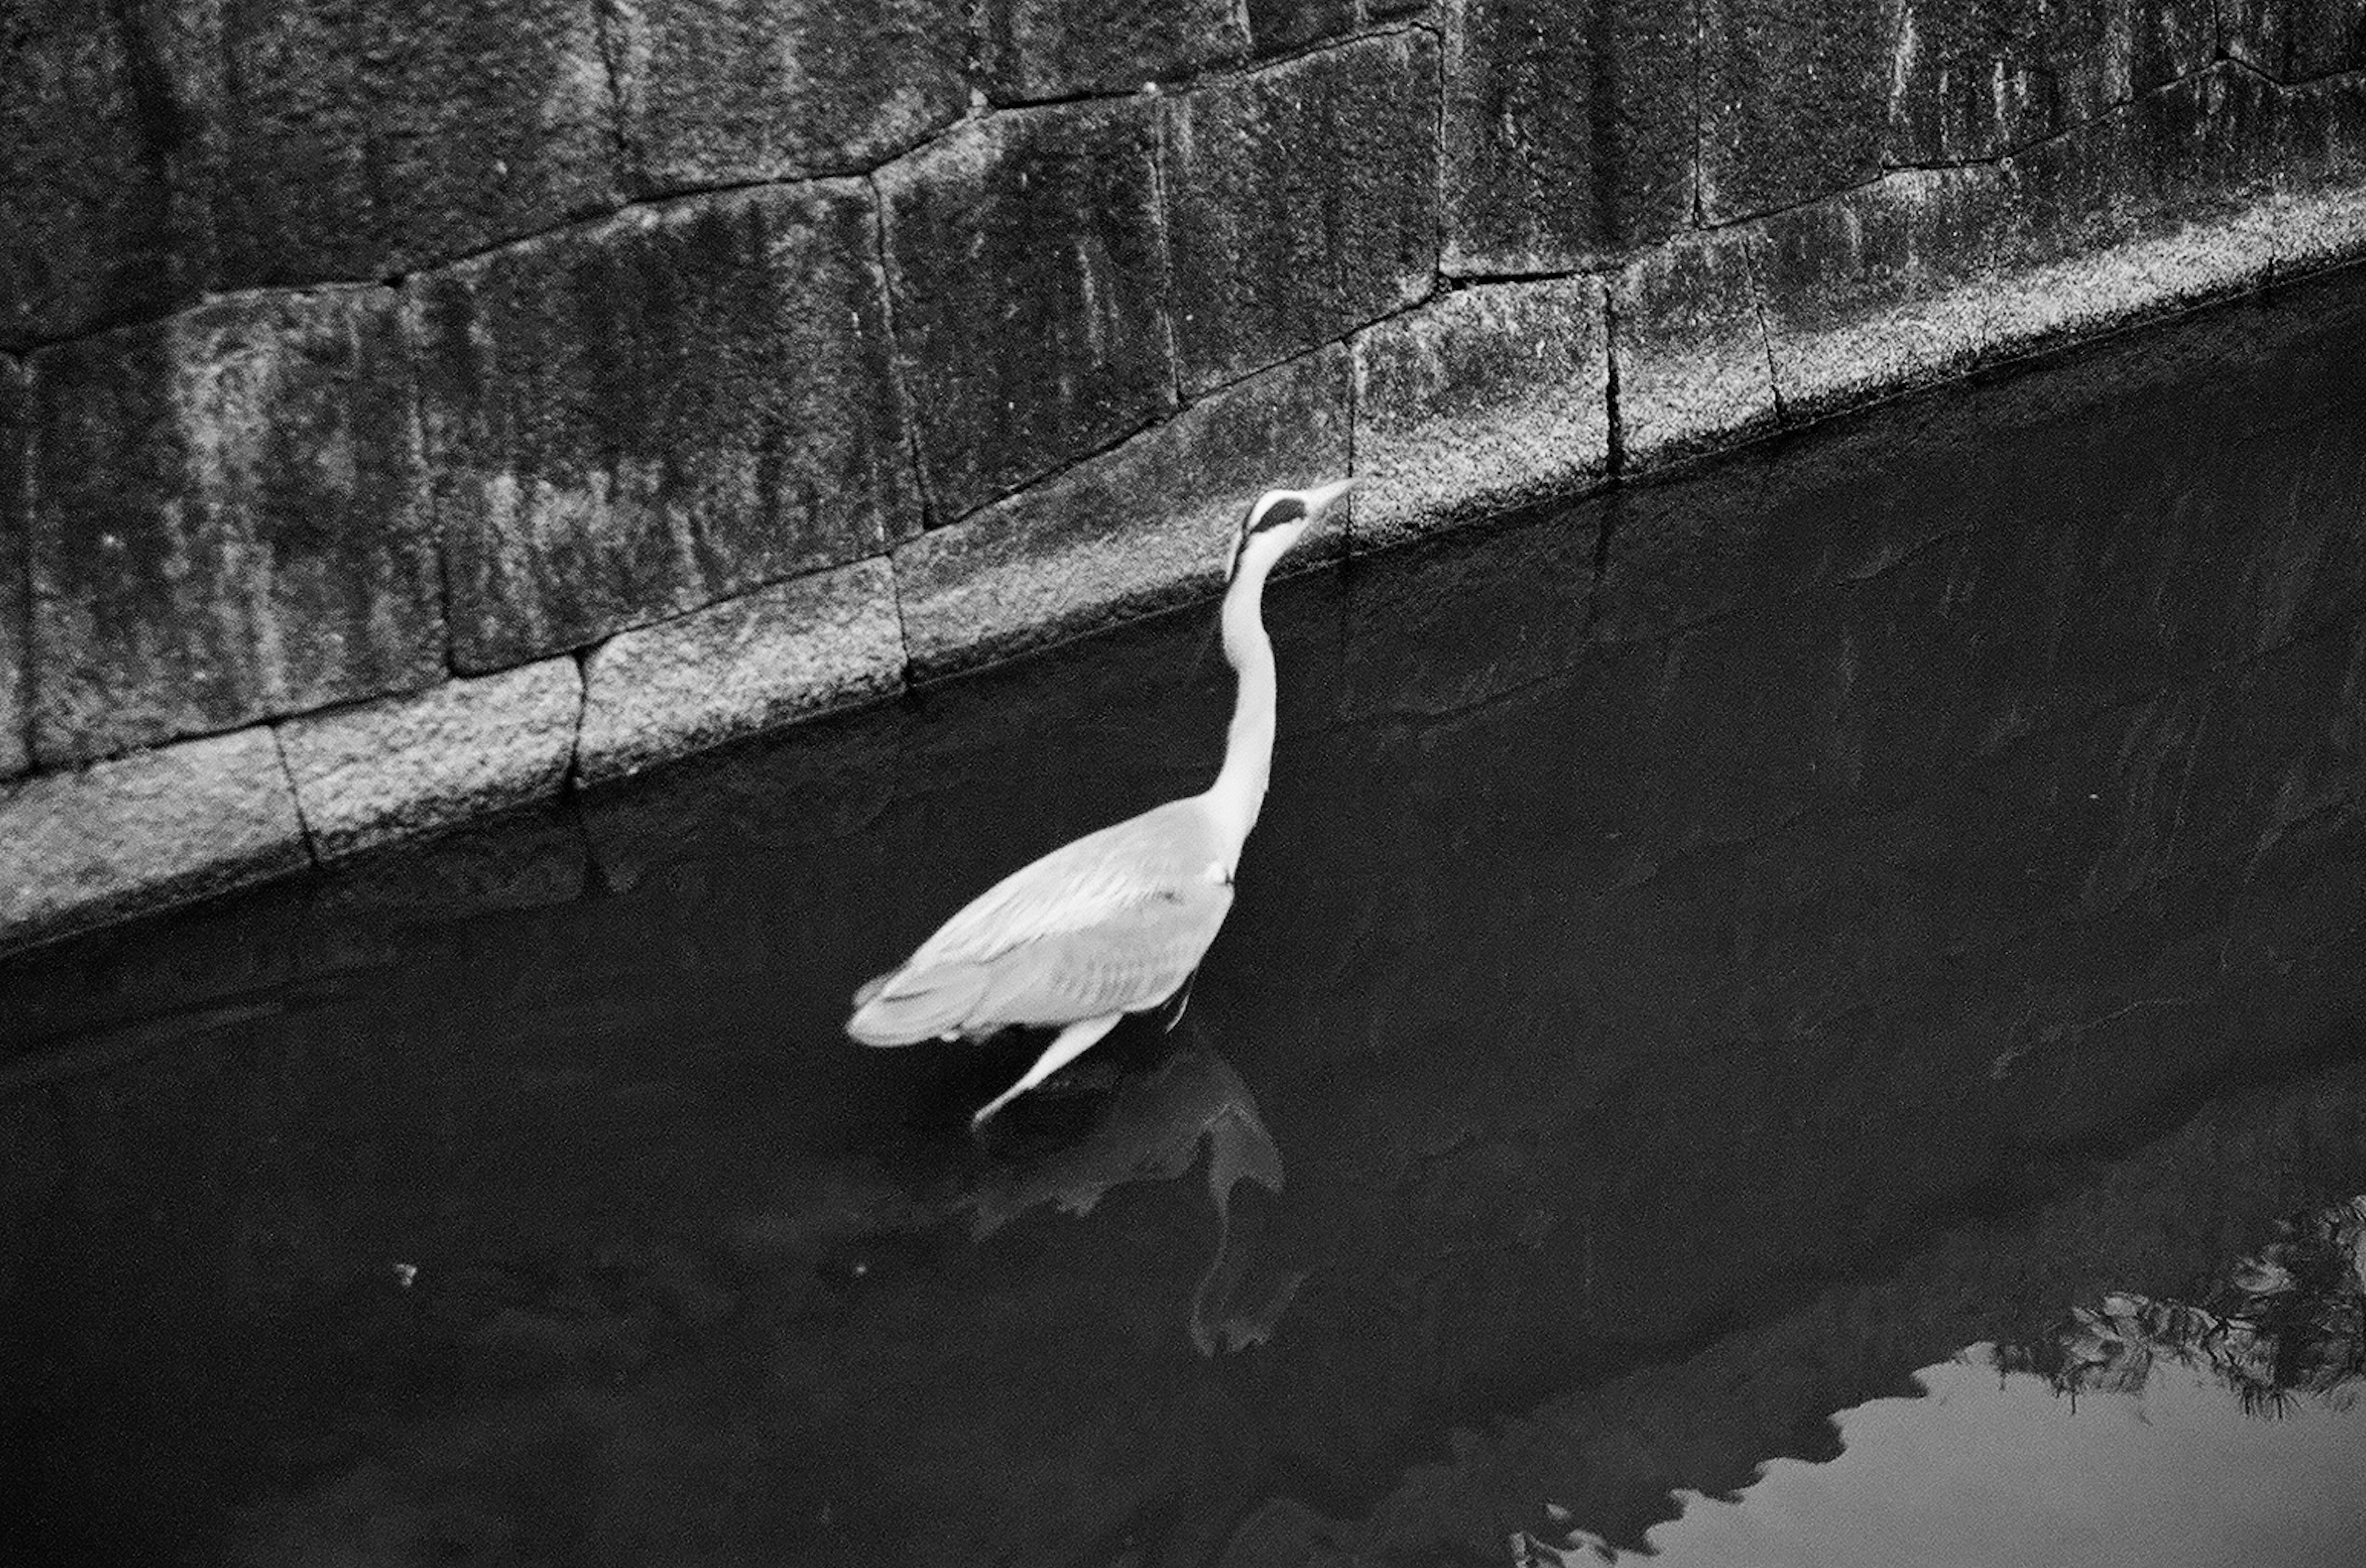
1114 922
1163 852
1133 961
908 1007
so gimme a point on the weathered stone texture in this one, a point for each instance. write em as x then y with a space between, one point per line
2168 38
2320 132
1052 48
229 522
1975 80
2317 217
1483 401
735 669
634 419
15 566
1795 94
405 766
1302 202
357 140
154 829
1278 25
2311 231
102 160
2150 275
1693 372
2194 148
718 92
1570 130
1865 292
1930 272
2294 40
1029 269
1134 530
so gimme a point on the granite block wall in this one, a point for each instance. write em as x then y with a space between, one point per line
406 410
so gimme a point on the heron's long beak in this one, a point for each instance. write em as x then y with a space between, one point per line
1317 499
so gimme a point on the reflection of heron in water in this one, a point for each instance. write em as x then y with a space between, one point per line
1116 921
1150 1130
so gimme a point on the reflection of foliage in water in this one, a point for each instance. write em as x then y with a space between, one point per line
2289 1323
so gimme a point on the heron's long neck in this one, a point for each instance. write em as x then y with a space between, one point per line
1239 790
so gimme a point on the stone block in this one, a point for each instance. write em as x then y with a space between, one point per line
2156 207
158 828
1033 49
1278 25
1794 99
1871 292
727 92
1569 132
1484 400
2312 228
229 522
405 766
1931 272
1977 80
2295 41
2207 143
636 418
2173 267
102 208
15 563
358 142
2320 135
1691 345
735 669
1303 203
1029 269
1144 526
2196 149
2317 215
2170 39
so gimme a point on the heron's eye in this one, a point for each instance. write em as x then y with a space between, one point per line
1289 509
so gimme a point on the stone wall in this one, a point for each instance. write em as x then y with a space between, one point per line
407 409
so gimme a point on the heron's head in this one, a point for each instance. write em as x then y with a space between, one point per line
1274 522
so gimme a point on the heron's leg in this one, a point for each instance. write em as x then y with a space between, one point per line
1072 1043
1182 999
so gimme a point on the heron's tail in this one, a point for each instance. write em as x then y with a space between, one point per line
904 1007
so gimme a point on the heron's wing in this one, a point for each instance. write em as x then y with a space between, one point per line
1110 923
912 1005
1164 854
1134 958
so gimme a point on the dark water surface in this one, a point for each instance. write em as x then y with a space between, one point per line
1893 900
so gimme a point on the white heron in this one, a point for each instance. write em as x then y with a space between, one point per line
1117 921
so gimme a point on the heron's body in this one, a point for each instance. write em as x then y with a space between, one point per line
1112 924
1117 921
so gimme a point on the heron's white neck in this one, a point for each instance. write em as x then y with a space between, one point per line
1239 791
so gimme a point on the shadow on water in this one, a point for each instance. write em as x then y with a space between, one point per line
1910 890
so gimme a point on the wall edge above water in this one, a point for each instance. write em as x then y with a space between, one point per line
1693 348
